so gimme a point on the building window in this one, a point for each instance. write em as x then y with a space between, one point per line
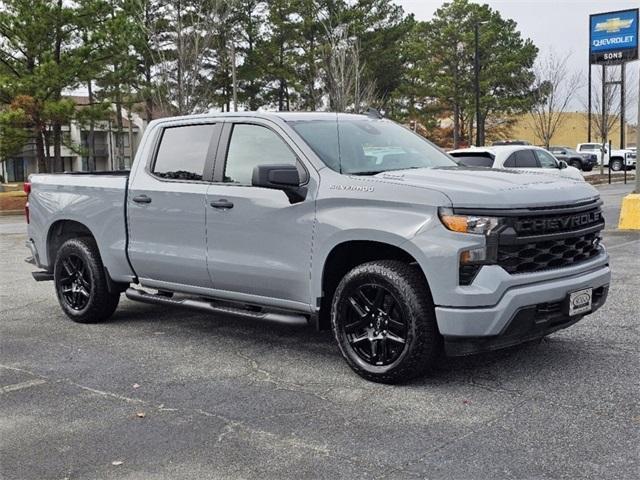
15 170
122 140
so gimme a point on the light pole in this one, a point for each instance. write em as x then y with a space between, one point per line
476 71
637 190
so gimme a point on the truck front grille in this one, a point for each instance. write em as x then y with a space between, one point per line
546 238
539 238
548 254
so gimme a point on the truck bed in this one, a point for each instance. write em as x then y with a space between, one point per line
93 199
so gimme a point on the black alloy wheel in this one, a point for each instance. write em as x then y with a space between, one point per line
375 327
383 318
75 282
81 282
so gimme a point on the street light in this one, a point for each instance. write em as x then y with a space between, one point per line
476 69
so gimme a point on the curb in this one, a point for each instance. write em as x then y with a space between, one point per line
630 212
629 182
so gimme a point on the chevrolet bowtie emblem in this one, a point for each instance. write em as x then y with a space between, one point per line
613 25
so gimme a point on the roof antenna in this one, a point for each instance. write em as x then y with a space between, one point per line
373 113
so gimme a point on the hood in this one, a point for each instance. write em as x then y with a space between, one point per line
494 188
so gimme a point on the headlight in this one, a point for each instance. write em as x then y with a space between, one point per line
467 223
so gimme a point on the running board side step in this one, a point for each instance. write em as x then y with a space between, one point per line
42 276
208 306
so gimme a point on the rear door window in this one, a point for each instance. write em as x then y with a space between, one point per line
522 159
183 151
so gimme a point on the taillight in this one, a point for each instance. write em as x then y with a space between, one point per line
27 189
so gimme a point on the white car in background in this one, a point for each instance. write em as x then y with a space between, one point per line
519 157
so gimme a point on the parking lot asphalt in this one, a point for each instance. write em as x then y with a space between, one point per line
160 393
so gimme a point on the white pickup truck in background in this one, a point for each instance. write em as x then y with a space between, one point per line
616 159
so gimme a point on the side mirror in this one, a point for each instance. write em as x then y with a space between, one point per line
562 164
283 177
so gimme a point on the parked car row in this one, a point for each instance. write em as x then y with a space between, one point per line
519 157
585 157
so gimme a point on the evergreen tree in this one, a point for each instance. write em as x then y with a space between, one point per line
41 54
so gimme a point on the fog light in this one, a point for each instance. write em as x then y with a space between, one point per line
473 255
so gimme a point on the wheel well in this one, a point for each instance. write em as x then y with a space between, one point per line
345 257
60 232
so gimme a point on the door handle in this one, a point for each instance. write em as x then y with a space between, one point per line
222 203
142 199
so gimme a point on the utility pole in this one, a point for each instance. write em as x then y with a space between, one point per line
234 80
476 69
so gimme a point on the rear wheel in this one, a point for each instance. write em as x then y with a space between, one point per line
81 283
384 322
616 165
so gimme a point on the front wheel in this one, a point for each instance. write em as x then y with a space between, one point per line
383 319
81 282
576 164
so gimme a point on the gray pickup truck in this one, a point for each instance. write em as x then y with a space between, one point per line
349 222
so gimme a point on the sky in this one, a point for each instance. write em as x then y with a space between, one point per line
561 25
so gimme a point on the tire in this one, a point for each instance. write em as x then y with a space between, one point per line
616 165
587 169
576 164
81 282
400 342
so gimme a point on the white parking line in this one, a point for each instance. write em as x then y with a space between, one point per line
21 386
619 245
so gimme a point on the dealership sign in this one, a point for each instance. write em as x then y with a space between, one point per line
613 36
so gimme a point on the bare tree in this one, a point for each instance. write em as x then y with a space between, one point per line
554 88
613 107
346 84
184 54
602 125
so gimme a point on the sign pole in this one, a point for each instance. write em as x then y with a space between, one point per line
603 121
589 105
622 109
637 190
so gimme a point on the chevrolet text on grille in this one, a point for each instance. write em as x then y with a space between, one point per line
558 223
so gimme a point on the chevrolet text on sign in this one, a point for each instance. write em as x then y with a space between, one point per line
613 36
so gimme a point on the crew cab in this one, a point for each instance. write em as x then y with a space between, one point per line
345 222
617 160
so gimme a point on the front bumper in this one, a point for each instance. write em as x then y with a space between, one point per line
538 300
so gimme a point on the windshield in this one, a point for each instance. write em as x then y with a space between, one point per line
365 146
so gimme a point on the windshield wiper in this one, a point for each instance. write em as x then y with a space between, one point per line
369 172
